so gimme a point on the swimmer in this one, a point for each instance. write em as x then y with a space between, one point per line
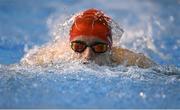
90 40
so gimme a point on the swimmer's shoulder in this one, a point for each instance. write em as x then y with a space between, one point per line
129 58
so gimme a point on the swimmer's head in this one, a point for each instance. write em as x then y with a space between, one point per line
91 34
92 23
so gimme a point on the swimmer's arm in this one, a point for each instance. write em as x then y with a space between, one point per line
46 54
43 55
40 57
129 58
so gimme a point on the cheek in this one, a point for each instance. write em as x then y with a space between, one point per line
85 55
103 58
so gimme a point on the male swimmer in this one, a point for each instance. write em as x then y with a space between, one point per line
90 40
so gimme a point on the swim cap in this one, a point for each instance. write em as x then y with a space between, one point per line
92 22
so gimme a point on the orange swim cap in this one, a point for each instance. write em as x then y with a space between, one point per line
92 22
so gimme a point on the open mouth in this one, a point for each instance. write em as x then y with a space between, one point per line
86 62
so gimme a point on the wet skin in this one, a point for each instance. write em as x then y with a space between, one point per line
88 54
115 55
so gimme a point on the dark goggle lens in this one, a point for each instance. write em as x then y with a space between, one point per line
100 48
78 47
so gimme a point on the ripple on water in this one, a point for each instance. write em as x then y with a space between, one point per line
84 86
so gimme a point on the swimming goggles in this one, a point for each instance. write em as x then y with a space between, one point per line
97 47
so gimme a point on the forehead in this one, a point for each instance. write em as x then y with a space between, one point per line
88 39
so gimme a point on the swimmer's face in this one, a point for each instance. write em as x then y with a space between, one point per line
90 49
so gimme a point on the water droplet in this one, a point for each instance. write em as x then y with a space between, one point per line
141 94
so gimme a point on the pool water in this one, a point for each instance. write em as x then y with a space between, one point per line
151 27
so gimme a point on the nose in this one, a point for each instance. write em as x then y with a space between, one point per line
88 54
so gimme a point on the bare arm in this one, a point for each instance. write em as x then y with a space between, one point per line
129 58
45 55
